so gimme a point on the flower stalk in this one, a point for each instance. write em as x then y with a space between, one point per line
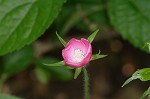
86 84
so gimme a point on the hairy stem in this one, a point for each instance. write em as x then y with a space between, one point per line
86 84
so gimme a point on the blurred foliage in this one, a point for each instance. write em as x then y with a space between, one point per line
21 22
82 14
18 61
131 18
5 96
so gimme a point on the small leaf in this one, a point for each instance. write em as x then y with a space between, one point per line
61 63
92 36
146 93
129 80
61 40
77 72
142 74
6 96
97 56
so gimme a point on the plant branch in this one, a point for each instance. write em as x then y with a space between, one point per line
86 84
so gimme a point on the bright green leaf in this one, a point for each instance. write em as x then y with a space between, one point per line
146 93
23 21
97 56
6 96
18 61
77 72
142 74
131 18
61 63
61 40
92 36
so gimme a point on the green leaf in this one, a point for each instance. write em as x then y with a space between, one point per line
59 72
142 74
61 40
61 63
131 18
18 61
6 96
92 36
146 93
77 72
97 56
130 79
22 22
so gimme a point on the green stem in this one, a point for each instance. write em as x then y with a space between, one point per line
86 84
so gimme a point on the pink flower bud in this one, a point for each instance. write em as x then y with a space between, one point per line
77 53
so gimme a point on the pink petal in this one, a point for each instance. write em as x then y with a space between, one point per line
68 54
87 44
74 44
77 44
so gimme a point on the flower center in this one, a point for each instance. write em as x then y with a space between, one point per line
79 55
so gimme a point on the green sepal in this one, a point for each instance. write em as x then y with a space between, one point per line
61 63
61 40
146 93
68 67
129 80
92 36
97 56
77 72
142 74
